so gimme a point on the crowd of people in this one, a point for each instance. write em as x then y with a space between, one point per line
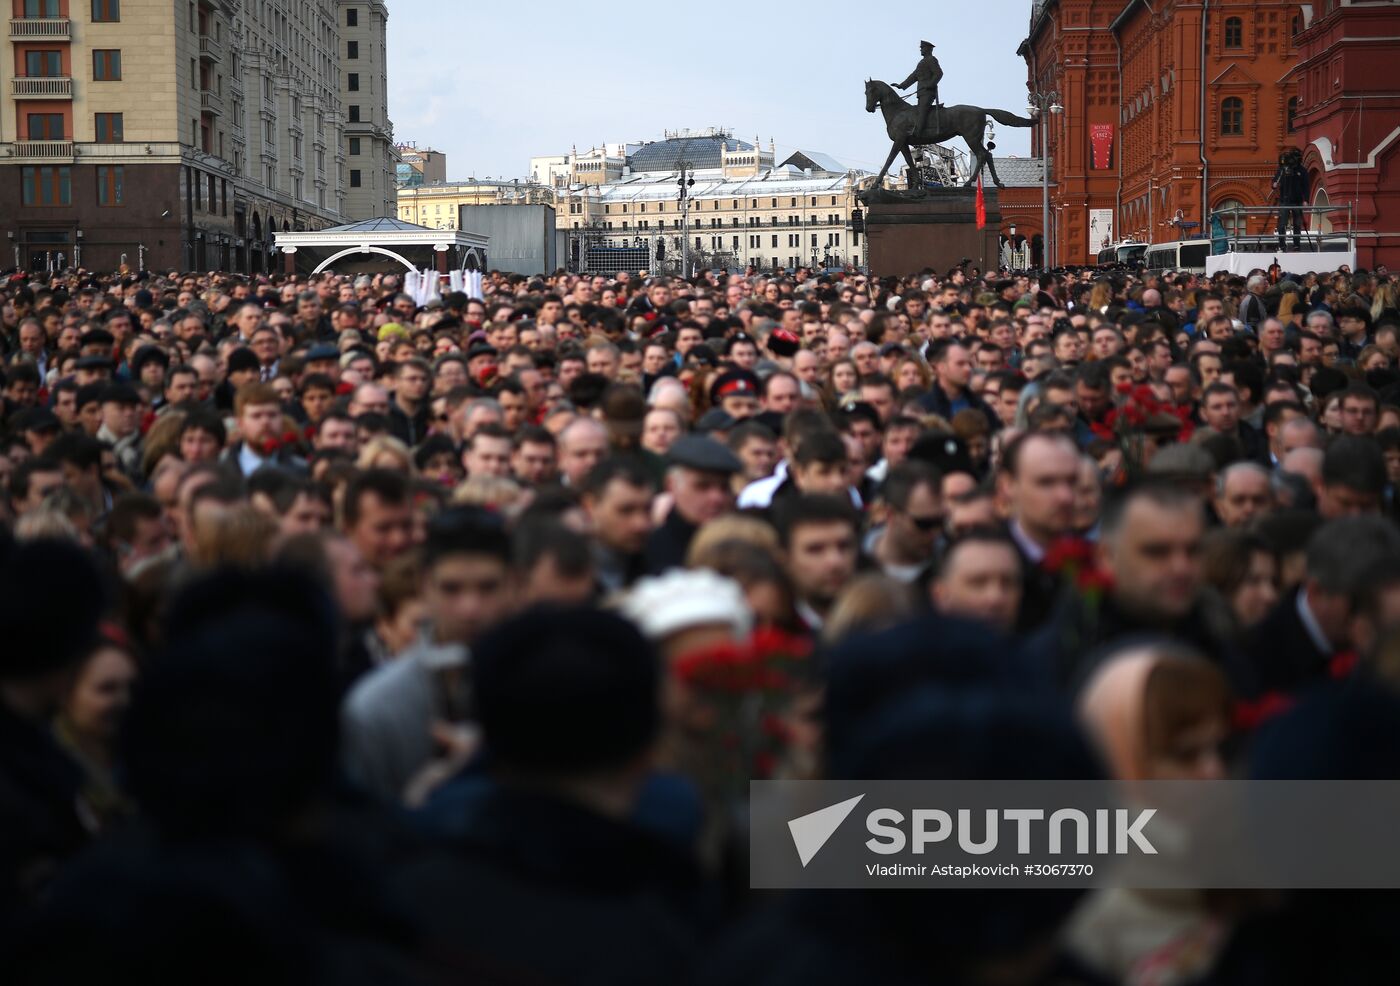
348 639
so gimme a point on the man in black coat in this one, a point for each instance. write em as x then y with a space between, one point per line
697 478
952 370
1297 642
52 596
1291 183
1151 584
550 881
1038 475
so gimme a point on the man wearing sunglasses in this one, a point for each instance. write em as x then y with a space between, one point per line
904 546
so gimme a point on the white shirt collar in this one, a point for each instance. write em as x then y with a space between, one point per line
1310 624
1027 544
248 460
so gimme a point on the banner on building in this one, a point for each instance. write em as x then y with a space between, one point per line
1101 145
1100 229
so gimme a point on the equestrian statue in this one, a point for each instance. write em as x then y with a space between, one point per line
931 123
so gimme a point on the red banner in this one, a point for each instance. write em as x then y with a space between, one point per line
1101 144
981 204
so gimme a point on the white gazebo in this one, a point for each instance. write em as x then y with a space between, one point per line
378 245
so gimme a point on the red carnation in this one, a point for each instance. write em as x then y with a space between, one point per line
1247 715
1067 551
1093 580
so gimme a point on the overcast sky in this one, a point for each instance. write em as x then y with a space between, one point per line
492 84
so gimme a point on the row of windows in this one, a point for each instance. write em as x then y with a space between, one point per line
50 126
1232 116
106 64
103 11
700 204
1233 34
196 182
830 220
45 186
756 242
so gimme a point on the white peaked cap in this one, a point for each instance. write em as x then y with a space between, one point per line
682 598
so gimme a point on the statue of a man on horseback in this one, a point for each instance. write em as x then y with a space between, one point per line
926 74
910 126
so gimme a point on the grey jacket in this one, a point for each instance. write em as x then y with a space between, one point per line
387 717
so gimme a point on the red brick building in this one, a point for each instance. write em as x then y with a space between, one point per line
1348 119
1171 109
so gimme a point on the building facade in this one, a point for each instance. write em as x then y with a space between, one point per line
169 134
1171 111
1348 120
439 206
419 166
370 157
742 209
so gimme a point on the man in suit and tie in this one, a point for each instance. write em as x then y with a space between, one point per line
1039 471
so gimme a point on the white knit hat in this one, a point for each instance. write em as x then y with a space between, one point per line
681 599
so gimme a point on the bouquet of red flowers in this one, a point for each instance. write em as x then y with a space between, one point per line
1139 415
1072 558
745 689
269 446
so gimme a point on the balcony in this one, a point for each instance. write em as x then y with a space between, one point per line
41 29
210 48
38 152
42 87
211 103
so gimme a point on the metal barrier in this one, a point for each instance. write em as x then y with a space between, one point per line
1255 229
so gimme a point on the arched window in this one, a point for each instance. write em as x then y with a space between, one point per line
1234 225
1234 32
1232 117
1297 24
1293 114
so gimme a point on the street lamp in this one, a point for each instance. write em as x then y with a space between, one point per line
686 182
1040 103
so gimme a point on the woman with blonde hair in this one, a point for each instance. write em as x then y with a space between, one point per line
1101 296
497 493
1372 358
912 373
1289 309
386 452
870 602
842 380
162 439
240 536
730 527
1387 301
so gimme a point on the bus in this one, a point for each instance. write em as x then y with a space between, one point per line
1187 255
1126 252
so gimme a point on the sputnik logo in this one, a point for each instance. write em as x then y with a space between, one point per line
812 831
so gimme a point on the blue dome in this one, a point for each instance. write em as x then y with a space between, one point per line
697 152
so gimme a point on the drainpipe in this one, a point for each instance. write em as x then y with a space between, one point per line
1205 165
1118 194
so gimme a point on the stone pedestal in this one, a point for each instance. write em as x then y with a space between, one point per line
936 231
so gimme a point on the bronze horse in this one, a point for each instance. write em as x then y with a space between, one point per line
945 122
